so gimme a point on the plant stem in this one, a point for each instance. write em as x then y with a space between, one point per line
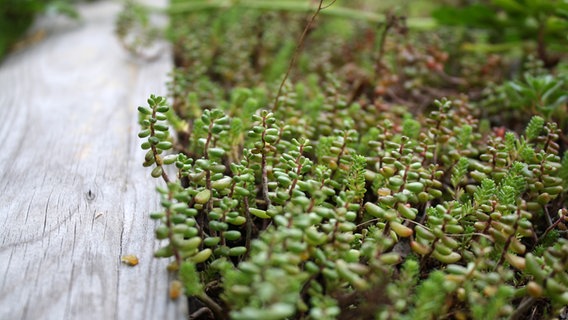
551 226
155 150
248 226
525 304
201 313
209 205
390 22
297 53
340 155
541 43
264 171
214 306
298 172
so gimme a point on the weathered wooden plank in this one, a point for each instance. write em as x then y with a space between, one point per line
73 195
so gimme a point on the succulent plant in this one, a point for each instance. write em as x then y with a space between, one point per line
311 201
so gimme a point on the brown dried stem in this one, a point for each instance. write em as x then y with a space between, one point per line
298 50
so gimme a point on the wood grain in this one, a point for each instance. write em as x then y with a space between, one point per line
73 195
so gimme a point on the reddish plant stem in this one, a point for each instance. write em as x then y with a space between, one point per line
298 172
157 157
263 166
389 23
298 51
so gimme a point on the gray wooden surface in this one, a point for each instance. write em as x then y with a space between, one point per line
73 195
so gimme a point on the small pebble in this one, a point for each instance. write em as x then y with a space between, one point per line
130 260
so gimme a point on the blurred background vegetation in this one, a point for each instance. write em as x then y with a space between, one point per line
16 16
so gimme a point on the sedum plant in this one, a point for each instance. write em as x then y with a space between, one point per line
303 199
289 228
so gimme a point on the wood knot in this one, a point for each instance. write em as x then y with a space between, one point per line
90 195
